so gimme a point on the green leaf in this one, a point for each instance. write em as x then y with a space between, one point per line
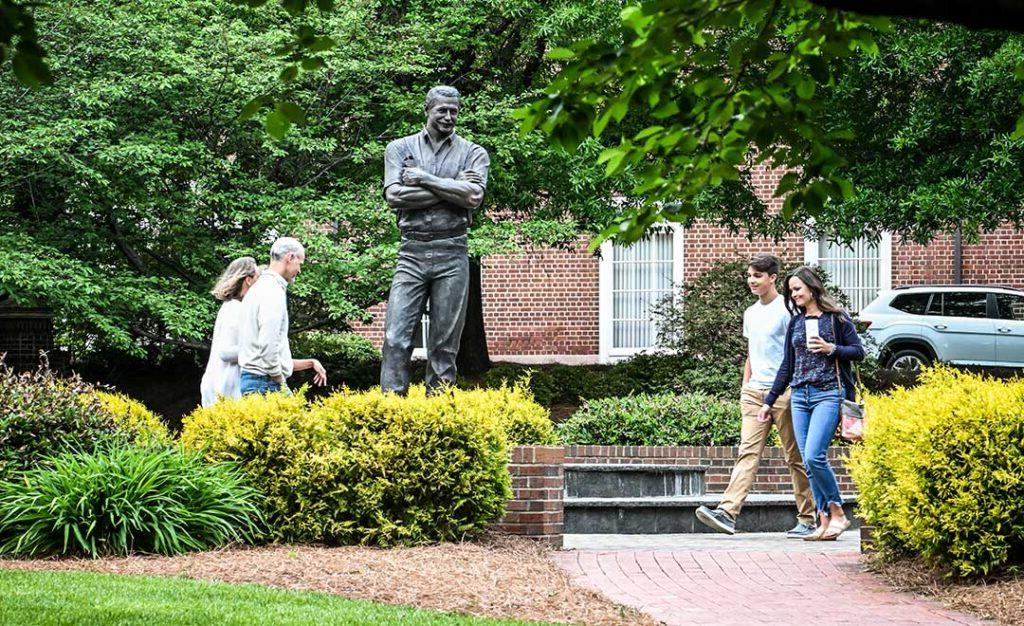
321 44
31 70
293 112
805 88
289 73
560 54
312 64
251 108
786 184
277 124
294 7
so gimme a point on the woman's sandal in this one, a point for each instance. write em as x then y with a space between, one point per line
817 534
835 528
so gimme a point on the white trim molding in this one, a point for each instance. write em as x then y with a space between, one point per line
607 352
812 249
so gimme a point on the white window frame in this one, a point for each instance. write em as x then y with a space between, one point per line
811 257
606 353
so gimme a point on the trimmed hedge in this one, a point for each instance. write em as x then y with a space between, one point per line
132 418
941 471
654 420
365 467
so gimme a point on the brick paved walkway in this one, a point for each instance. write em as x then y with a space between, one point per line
782 582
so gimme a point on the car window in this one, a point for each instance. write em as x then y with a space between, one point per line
965 304
913 303
935 308
1011 306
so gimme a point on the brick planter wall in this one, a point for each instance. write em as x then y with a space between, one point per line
538 478
538 482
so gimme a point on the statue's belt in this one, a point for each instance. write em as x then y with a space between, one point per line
434 235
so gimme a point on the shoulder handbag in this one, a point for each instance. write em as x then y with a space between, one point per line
851 413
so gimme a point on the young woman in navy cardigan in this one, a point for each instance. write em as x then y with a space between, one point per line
819 370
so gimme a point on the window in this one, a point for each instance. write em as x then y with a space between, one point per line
632 280
935 306
965 304
913 303
860 269
1011 306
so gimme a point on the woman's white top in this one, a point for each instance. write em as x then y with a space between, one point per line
223 375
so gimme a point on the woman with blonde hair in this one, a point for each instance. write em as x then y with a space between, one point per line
222 375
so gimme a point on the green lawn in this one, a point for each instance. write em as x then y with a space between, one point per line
65 598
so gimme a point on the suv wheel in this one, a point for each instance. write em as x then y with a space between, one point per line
908 360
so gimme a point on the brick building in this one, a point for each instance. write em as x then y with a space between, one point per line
569 306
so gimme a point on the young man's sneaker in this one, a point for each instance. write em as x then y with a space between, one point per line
800 531
717 519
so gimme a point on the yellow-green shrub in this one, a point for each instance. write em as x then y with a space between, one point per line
364 466
525 422
941 471
133 418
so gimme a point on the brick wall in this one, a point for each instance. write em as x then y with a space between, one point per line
542 305
538 483
538 478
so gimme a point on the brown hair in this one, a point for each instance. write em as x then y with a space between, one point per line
768 263
229 285
809 277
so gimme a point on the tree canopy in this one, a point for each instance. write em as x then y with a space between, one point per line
696 93
129 183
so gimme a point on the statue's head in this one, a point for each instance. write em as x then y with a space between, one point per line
442 109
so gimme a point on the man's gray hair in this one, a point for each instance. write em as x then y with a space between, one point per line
441 91
284 246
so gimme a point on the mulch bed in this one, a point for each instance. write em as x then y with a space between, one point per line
996 598
497 576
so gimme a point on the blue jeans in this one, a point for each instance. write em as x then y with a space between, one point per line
257 383
815 418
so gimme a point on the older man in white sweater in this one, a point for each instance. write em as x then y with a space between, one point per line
263 352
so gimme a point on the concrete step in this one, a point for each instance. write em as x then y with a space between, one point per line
675 514
633 481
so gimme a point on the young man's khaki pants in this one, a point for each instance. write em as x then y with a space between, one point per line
753 438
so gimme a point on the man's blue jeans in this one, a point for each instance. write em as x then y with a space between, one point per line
815 418
257 383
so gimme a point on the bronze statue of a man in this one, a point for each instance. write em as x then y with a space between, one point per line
433 179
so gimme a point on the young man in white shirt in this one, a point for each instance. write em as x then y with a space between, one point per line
764 325
264 355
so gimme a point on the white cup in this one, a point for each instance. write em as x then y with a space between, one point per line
811 327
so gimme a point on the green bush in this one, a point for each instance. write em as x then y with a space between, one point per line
654 420
368 467
123 499
131 417
350 360
42 415
708 324
941 471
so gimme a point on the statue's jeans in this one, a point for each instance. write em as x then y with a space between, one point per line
437 271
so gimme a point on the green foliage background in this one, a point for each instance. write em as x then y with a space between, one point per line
129 183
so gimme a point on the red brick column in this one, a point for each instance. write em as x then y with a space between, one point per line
538 483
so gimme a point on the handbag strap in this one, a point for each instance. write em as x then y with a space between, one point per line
835 337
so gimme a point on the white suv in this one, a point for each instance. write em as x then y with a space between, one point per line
961 324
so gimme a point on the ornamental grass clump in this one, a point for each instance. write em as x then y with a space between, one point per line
123 499
693 419
941 471
368 467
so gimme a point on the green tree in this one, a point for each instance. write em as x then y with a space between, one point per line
128 184
730 84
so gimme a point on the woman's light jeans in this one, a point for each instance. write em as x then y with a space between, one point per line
815 418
